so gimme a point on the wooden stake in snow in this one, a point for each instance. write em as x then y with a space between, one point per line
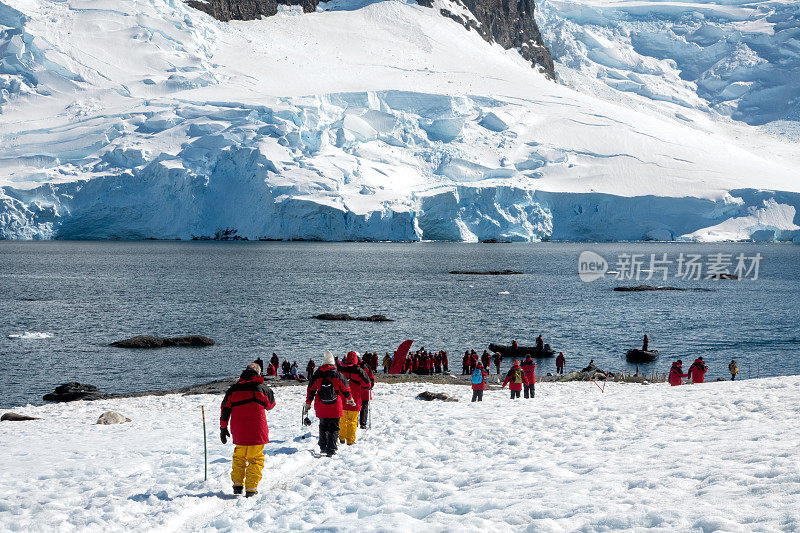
205 445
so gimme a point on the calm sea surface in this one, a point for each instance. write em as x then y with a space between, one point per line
256 298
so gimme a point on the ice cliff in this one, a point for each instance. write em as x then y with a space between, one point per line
126 119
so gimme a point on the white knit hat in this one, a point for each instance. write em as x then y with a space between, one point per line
328 359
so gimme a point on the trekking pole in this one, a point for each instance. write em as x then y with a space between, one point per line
205 445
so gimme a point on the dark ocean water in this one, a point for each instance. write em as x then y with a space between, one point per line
256 298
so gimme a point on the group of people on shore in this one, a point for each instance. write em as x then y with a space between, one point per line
422 362
521 376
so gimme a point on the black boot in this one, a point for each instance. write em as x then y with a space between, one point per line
250 493
237 489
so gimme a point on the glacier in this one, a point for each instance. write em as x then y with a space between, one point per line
133 119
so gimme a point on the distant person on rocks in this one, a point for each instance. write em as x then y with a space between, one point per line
560 362
539 343
698 370
245 405
645 343
272 370
358 380
366 396
478 383
286 368
676 373
486 359
515 379
529 368
387 363
274 361
514 345
437 362
260 363
591 367
310 368
465 364
498 360
473 361
734 369
445 363
326 389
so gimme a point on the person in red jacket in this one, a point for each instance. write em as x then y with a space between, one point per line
272 370
358 380
366 396
529 369
698 370
498 360
326 389
486 359
478 383
473 361
676 373
245 405
515 379
465 364
445 363
560 363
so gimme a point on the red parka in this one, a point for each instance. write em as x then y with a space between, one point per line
675 374
246 404
366 392
511 377
482 384
698 371
560 360
322 410
529 368
356 378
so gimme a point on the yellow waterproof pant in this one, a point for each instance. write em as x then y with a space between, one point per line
347 432
248 461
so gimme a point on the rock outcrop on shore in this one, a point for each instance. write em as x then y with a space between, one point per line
72 391
148 342
644 288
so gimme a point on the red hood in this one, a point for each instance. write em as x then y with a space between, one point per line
327 367
254 379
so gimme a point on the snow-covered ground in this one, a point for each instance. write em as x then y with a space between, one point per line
712 457
149 119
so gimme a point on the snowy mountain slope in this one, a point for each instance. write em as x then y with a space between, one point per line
739 58
404 127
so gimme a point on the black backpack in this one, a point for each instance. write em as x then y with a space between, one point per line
327 392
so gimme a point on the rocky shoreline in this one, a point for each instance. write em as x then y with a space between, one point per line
76 391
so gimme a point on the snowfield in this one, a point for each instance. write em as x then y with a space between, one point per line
712 457
131 119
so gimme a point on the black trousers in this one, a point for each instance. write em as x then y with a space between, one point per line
477 395
530 390
363 416
514 394
328 435
560 370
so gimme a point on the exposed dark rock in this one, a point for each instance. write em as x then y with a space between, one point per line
486 272
148 341
371 318
15 417
494 241
723 276
69 392
643 288
509 23
430 396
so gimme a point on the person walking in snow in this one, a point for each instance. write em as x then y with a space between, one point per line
529 368
366 396
560 363
478 383
734 369
326 390
676 373
358 380
515 379
245 405
698 370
